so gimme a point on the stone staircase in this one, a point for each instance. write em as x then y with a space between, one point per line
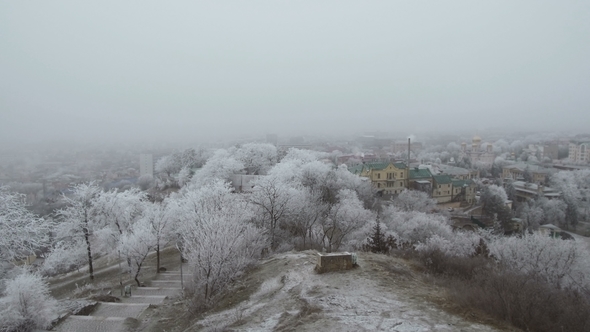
118 317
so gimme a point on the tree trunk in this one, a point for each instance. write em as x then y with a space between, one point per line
158 258
87 238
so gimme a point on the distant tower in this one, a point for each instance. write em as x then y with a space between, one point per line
476 143
146 165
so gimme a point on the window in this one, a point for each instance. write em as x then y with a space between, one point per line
378 175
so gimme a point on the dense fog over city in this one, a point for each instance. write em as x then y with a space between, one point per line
151 71
294 166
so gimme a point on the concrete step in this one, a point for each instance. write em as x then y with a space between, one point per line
108 309
94 324
165 283
149 299
166 291
173 276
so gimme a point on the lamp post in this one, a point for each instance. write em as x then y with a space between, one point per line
181 275
120 273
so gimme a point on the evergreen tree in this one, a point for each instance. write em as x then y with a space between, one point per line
376 242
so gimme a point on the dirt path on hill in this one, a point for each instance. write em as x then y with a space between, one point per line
285 294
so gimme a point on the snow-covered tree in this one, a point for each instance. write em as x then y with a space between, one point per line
166 165
344 217
26 304
412 228
554 260
413 200
80 217
258 158
161 219
493 200
145 182
575 189
455 244
65 256
136 244
274 202
119 209
308 211
220 166
218 240
184 176
21 231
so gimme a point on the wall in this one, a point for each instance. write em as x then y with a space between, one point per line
334 262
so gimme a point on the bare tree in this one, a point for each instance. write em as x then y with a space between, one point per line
80 216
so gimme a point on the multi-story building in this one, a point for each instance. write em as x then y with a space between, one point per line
463 191
146 164
541 151
475 154
518 171
387 178
579 151
453 192
421 179
525 191
442 189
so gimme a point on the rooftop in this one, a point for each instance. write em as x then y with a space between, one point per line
442 179
420 173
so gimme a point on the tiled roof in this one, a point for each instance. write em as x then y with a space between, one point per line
420 173
378 166
442 179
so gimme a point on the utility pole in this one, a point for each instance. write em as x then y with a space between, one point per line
408 167
120 274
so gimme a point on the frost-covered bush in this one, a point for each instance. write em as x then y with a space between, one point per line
411 228
413 200
65 257
26 304
458 244
558 262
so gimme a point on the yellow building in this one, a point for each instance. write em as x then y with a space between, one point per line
453 192
387 178
442 189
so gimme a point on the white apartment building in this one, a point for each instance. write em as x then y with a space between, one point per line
579 151
146 164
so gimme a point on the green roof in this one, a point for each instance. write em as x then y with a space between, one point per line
377 166
442 179
356 169
400 165
461 183
419 173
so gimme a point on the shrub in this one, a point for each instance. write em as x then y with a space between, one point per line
524 301
26 304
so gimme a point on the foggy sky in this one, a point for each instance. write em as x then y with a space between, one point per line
122 70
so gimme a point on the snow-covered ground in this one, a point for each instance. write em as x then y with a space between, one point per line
383 294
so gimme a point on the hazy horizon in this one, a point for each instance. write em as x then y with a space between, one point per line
131 71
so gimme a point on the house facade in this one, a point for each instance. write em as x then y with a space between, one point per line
386 178
579 151
539 175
